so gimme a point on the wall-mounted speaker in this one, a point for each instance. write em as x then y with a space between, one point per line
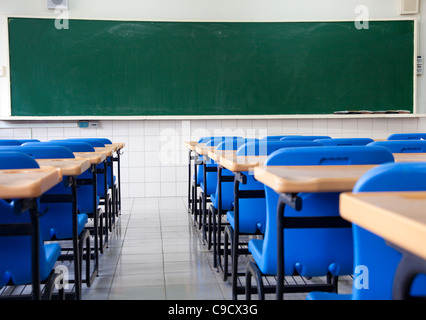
410 6
57 4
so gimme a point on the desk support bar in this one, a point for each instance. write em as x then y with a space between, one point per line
408 268
293 200
240 177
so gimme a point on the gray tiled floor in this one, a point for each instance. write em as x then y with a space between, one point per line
154 253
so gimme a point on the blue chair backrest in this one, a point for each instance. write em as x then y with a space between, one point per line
266 147
345 141
215 141
16 160
253 211
41 151
305 137
22 141
212 176
402 146
329 156
10 142
372 251
205 139
234 143
407 136
101 140
93 142
74 146
307 251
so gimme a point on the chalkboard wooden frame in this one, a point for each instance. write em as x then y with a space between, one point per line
21 108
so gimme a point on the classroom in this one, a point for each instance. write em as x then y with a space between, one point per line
195 129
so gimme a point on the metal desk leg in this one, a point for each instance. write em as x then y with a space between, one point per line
35 250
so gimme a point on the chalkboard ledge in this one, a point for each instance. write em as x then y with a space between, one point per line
215 117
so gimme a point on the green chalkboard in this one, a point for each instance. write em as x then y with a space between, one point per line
122 68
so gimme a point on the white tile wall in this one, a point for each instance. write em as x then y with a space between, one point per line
154 160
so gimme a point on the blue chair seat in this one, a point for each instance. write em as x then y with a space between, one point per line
15 253
20 273
247 225
53 225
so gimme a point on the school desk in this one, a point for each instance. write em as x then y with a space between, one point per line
27 185
109 152
118 146
288 181
68 167
72 168
238 165
199 215
192 188
96 158
400 219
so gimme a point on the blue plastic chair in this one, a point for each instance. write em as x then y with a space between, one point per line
311 138
227 188
15 254
372 251
307 251
216 211
111 179
252 211
402 146
211 175
407 136
57 224
84 192
209 186
345 141
16 251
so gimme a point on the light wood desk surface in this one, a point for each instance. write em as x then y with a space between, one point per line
116 145
28 183
203 150
69 167
398 217
191 144
294 179
93 157
107 150
409 157
241 163
215 155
